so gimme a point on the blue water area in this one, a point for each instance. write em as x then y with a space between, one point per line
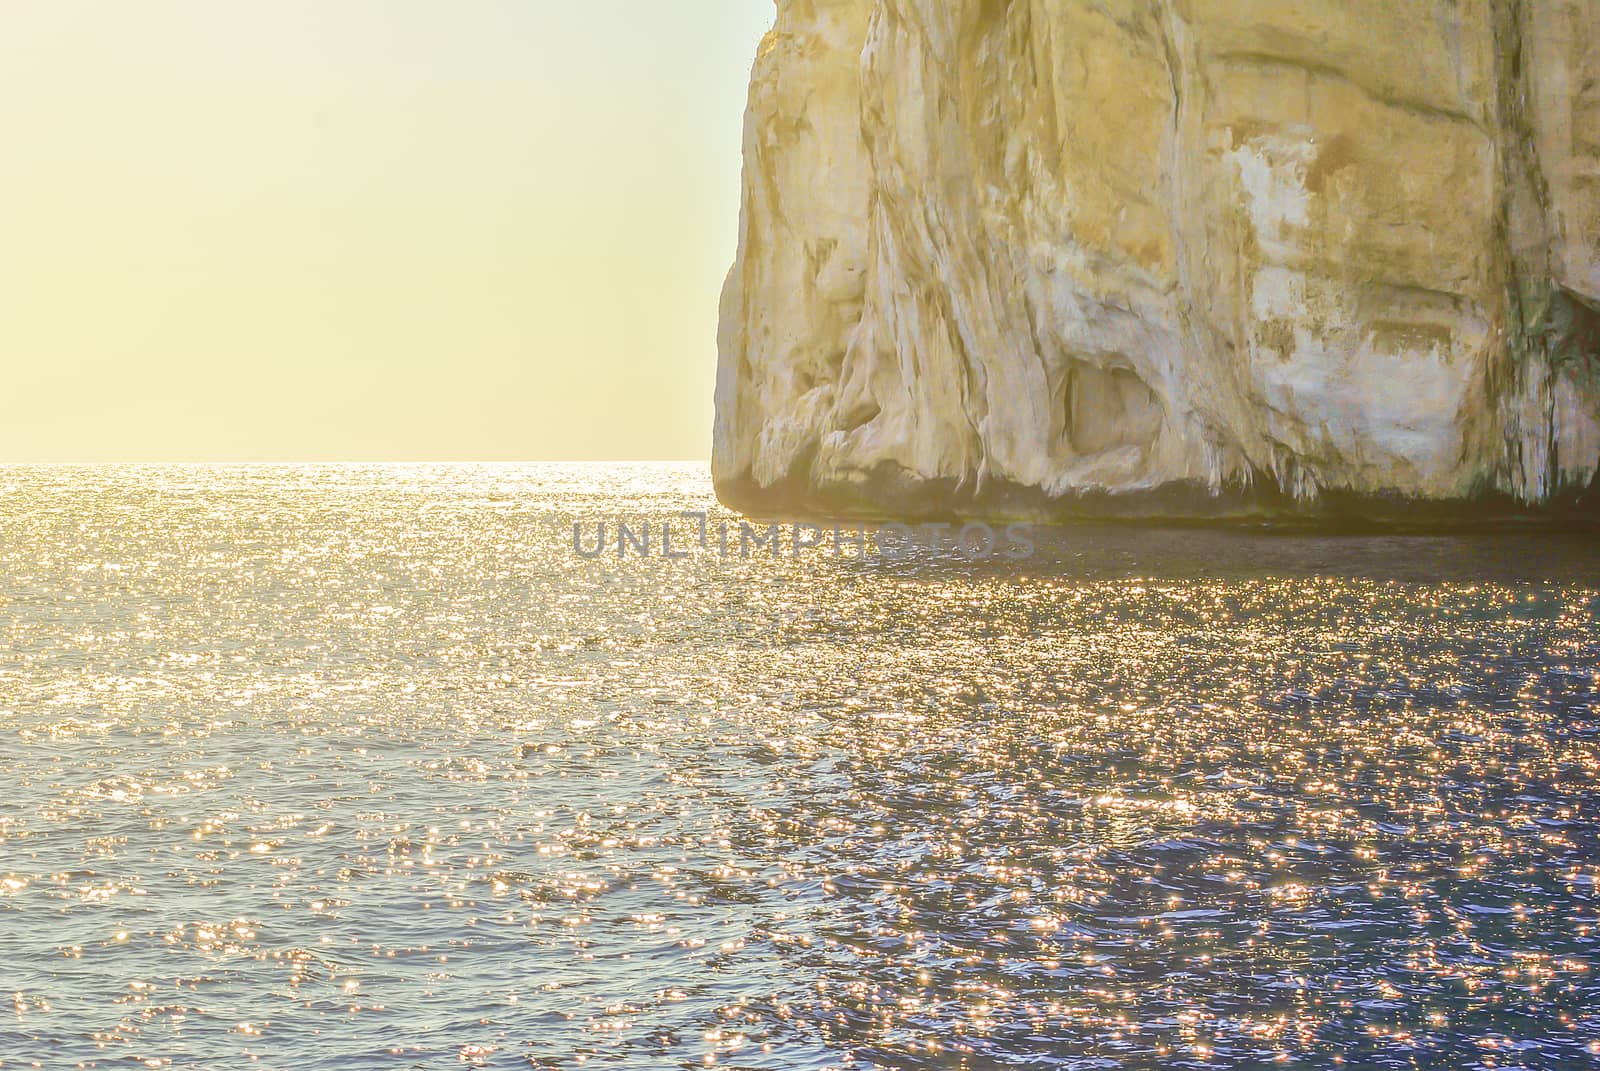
341 767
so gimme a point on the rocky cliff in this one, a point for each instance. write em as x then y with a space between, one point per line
1004 256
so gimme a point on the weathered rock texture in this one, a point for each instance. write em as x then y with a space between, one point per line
1166 254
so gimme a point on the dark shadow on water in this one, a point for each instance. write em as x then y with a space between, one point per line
1108 551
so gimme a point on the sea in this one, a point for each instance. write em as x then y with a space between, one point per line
466 766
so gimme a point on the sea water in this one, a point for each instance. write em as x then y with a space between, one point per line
334 767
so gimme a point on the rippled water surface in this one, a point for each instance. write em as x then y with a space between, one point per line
349 767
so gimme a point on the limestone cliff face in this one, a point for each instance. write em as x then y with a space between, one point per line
1076 253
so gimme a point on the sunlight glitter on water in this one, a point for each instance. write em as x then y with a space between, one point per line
347 766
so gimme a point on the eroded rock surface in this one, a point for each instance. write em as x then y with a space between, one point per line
1066 254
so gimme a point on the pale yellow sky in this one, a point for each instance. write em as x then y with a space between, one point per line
366 229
